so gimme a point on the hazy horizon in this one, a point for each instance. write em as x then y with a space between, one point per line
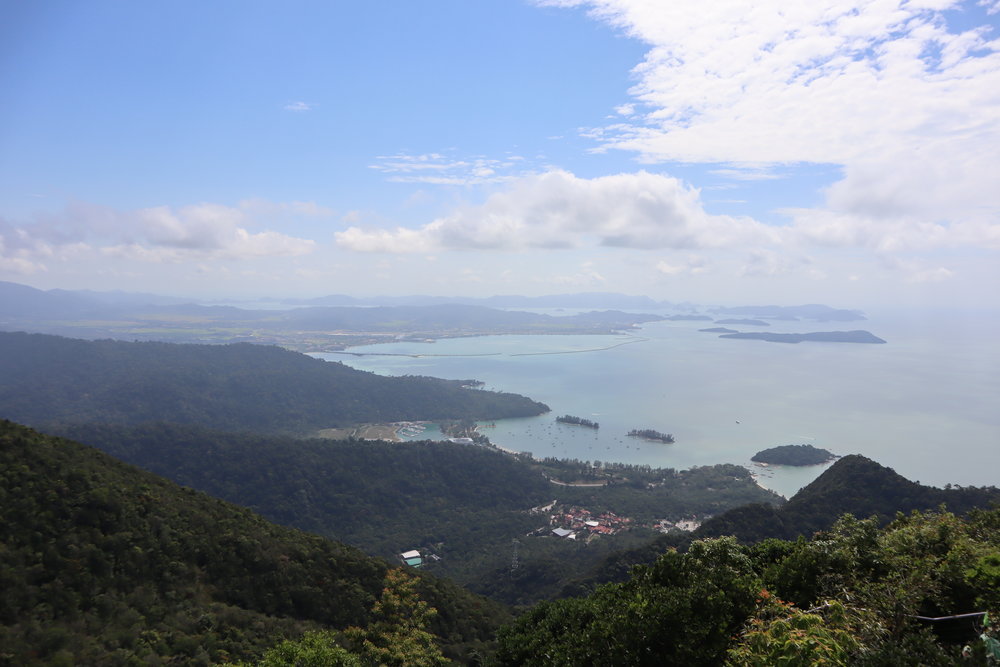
840 152
677 303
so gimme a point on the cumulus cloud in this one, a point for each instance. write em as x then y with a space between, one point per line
156 234
18 260
558 210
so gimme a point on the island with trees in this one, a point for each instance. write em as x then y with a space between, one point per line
650 434
570 419
794 455
858 336
739 320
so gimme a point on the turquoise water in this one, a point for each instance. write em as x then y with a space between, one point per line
925 404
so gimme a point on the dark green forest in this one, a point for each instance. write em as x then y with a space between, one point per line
853 485
465 503
793 455
102 563
241 387
105 564
856 594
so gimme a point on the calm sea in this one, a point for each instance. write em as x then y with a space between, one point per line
926 404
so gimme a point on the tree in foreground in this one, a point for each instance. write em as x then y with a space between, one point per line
681 610
397 636
915 592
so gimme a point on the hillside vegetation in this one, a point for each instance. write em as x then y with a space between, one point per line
464 503
242 387
857 594
852 485
101 563
794 455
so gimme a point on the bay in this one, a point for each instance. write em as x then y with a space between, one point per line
926 403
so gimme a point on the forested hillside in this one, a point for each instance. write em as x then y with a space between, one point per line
50 379
465 503
101 563
853 485
853 595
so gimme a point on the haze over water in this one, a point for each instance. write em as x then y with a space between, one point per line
925 404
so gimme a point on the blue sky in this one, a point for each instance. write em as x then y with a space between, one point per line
844 152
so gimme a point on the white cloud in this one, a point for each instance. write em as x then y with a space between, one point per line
399 240
298 106
907 105
765 262
889 234
918 271
692 265
157 234
440 169
559 210
627 110
17 261
586 276
214 230
747 173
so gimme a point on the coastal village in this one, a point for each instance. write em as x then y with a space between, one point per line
570 523
578 523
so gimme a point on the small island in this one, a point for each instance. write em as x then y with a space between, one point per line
650 434
816 336
689 318
794 455
720 330
570 419
758 323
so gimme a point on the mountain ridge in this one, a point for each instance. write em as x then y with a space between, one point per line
240 386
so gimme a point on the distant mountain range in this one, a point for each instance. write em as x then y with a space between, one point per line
20 301
813 311
308 326
580 300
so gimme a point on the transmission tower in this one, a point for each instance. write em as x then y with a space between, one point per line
513 559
